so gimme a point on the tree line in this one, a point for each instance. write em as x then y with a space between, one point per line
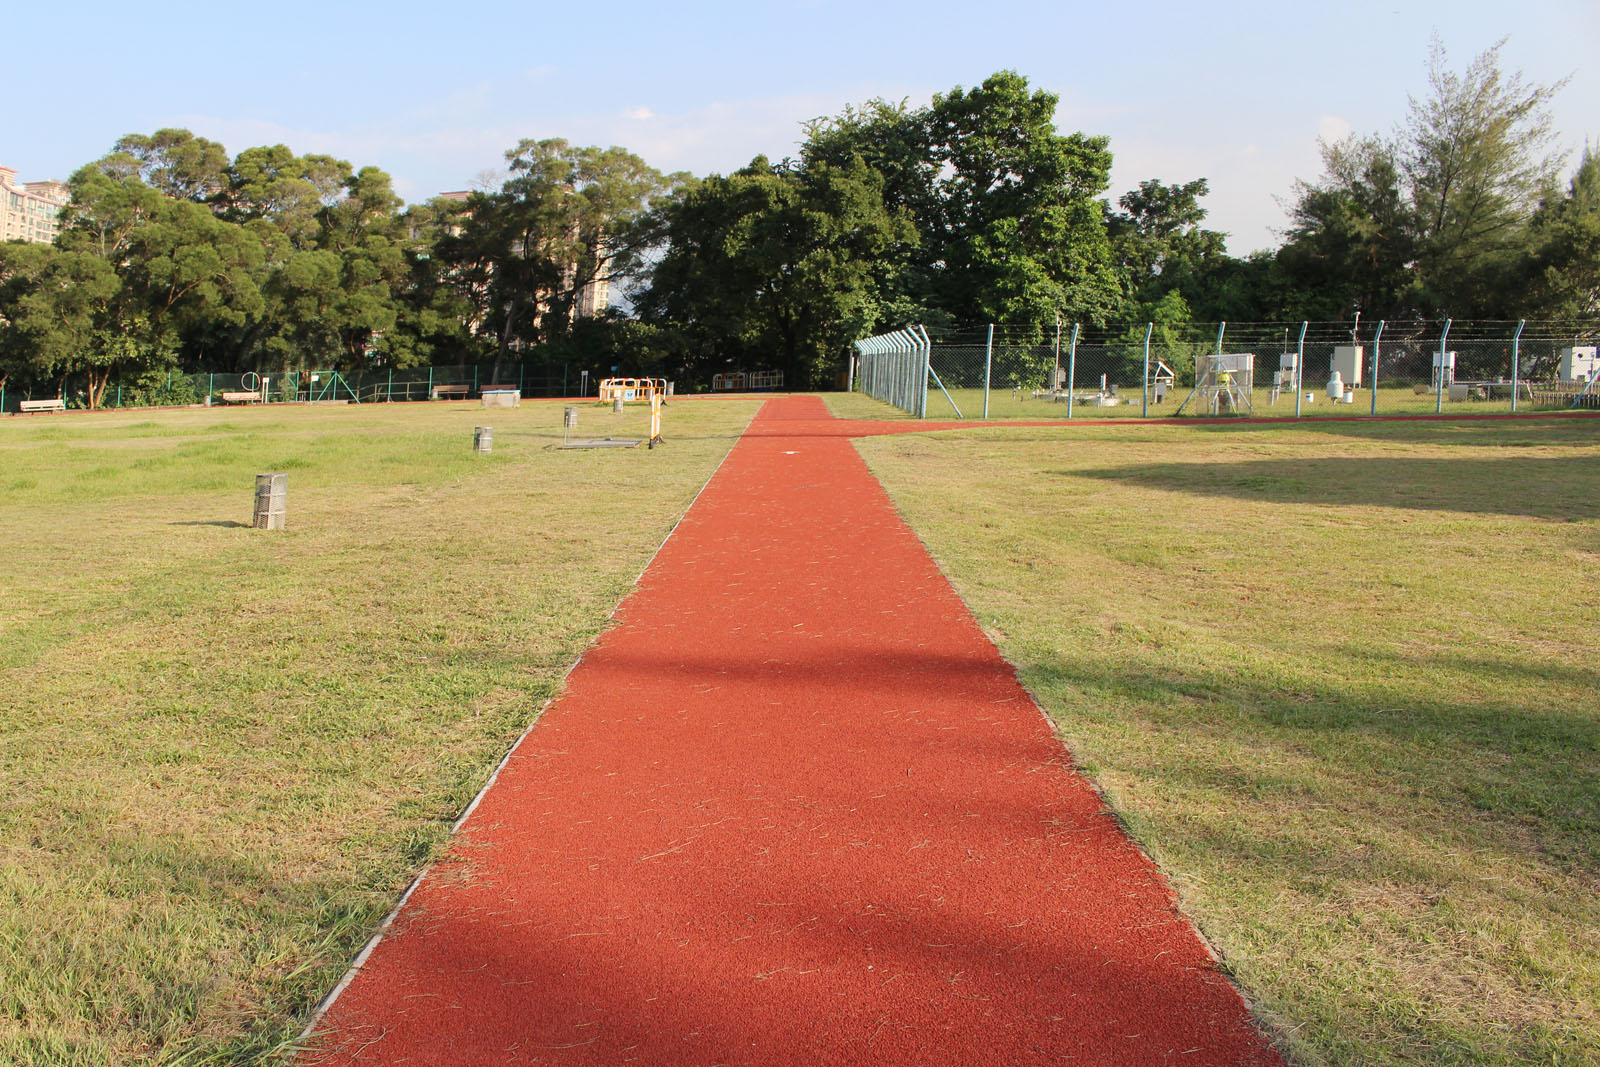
972 208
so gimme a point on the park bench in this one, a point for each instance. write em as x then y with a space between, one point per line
56 404
451 392
240 397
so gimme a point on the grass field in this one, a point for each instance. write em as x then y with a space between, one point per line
1340 680
226 751
1400 400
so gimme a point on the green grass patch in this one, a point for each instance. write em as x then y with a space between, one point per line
1008 403
227 751
1340 680
861 406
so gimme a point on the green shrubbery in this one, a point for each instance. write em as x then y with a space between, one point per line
158 389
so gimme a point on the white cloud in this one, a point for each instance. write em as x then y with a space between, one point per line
1331 128
443 148
428 154
1246 182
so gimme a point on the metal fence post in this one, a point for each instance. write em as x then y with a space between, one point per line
1072 368
916 368
1300 369
924 369
1516 362
882 369
1144 407
1438 401
926 372
1377 350
917 362
901 361
988 368
901 384
898 385
910 353
1055 375
1221 326
890 371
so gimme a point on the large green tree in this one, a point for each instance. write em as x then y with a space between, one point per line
1563 273
566 216
1353 235
892 140
150 269
337 264
435 320
1018 232
1006 219
64 312
273 184
1436 218
174 162
1476 157
21 264
774 266
1165 258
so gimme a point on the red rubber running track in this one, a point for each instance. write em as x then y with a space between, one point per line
792 808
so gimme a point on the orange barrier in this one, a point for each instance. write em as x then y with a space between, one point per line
741 380
632 388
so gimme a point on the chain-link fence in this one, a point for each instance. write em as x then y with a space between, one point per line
1262 369
171 388
894 367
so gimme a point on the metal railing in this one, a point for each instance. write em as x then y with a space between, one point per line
894 367
171 389
1071 370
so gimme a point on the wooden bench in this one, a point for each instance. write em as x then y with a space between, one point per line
240 397
451 392
28 406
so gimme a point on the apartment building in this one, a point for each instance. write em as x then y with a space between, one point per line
30 211
593 299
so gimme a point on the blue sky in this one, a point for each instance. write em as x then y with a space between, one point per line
434 94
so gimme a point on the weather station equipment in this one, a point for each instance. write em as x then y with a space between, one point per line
1580 363
1283 379
1347 364
1223 384
1444 371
